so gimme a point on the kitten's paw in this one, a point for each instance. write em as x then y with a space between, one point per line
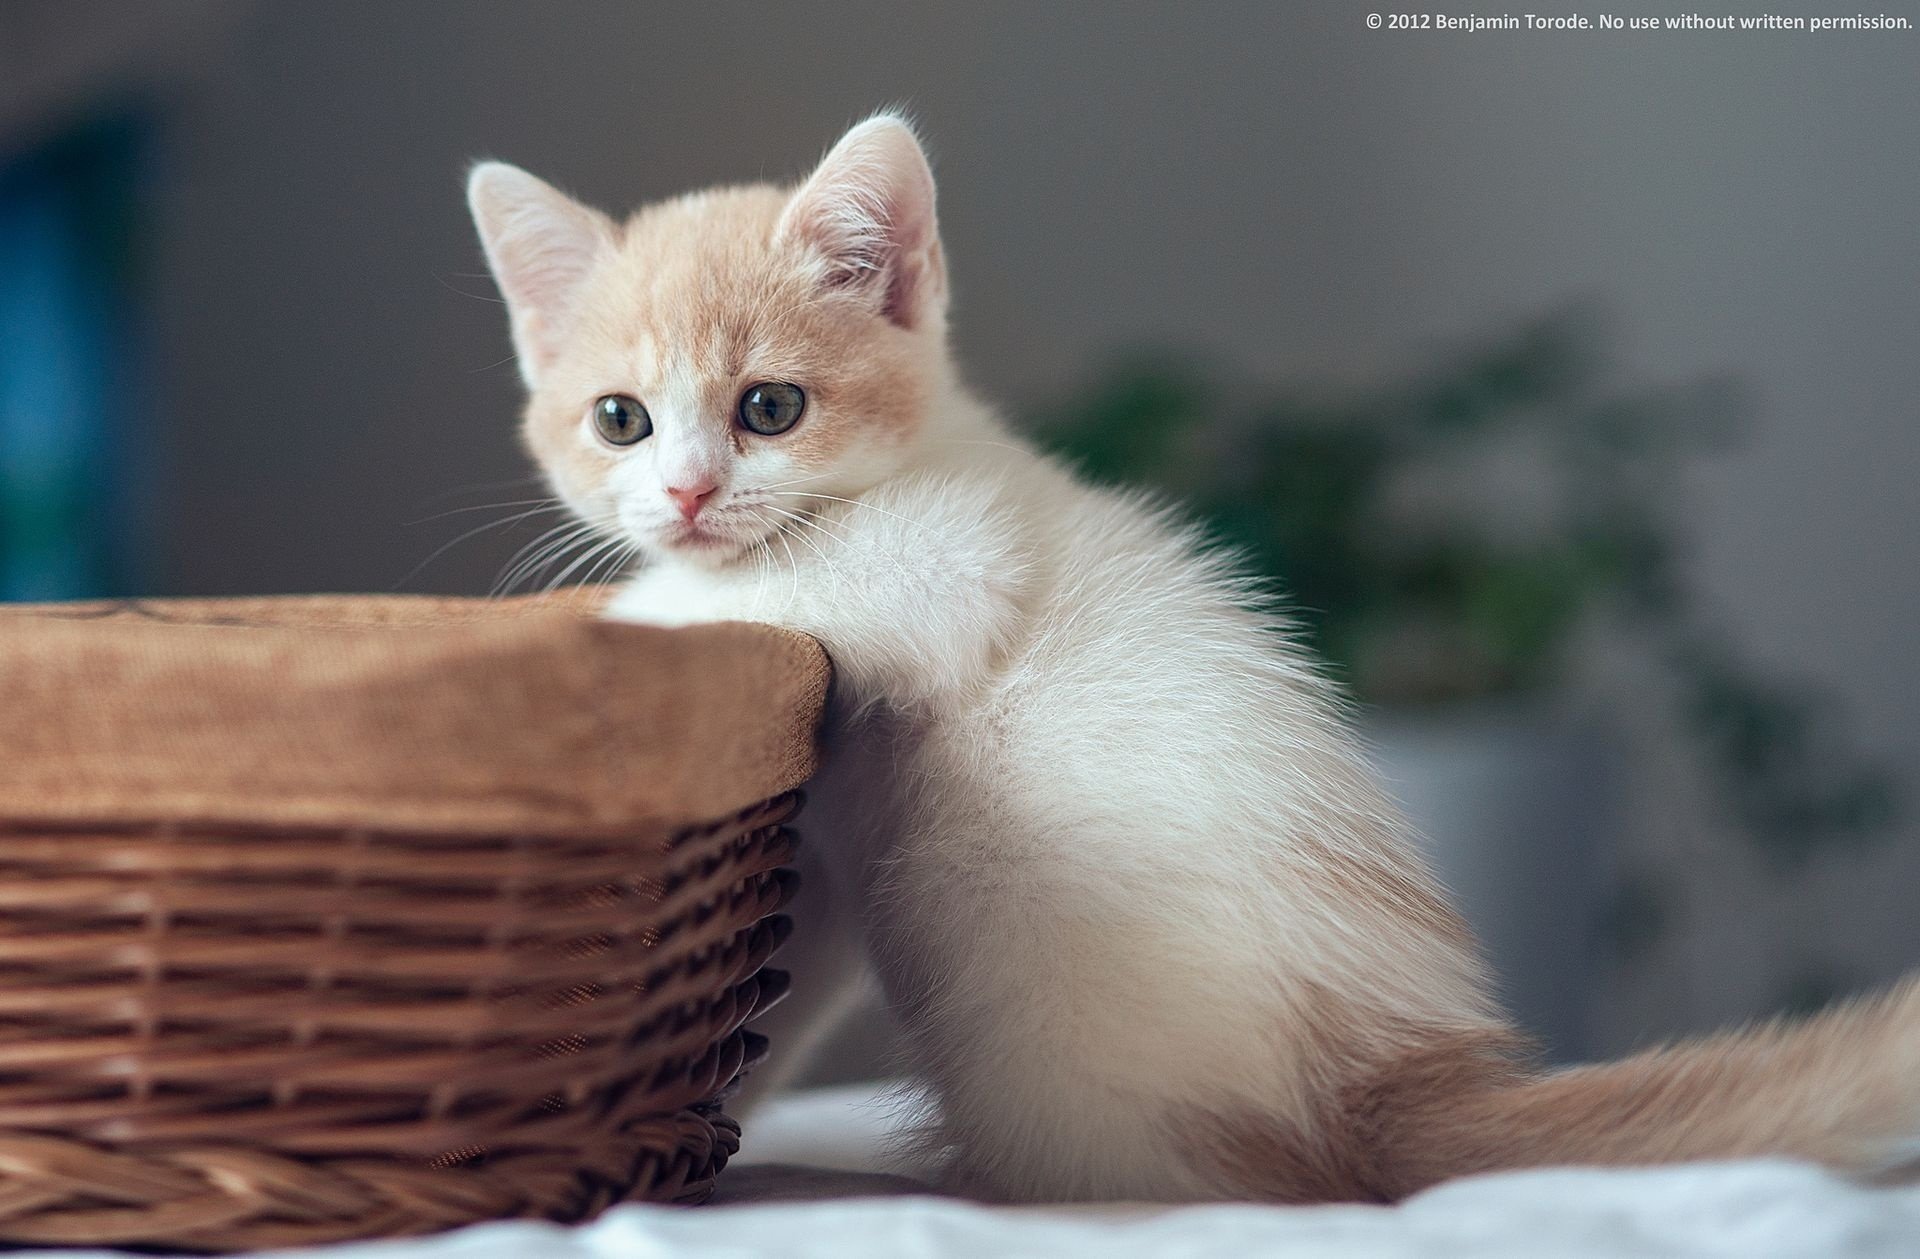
670 598
936 606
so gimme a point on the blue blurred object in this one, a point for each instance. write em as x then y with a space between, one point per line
70 408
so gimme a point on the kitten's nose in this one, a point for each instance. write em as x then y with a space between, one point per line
691 498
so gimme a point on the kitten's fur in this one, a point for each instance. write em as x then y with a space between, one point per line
1151 927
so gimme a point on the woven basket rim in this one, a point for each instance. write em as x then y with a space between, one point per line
398 713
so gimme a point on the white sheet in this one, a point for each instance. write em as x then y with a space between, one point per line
1737 1210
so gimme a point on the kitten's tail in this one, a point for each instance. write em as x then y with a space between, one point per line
1841 1088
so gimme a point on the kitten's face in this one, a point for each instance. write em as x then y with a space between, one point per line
728 360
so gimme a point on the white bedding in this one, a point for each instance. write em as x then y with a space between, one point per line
808 1150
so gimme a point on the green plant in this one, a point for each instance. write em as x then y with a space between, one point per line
1446 539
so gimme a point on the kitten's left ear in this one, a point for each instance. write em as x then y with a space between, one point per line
542 245
867 213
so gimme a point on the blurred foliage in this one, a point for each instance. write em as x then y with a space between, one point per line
1447 538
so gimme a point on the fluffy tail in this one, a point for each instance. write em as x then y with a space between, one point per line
1842 1088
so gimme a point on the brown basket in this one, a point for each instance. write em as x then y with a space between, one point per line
343 918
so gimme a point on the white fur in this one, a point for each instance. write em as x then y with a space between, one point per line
1072 769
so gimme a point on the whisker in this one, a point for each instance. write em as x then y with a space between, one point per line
593 559
793 595
805 520
854 502
780 485
615 559
762 564
565 527
570 569
475 532
497 363
478 297
545 504
542 551
632 553
813 546
483 485
522 575
558 553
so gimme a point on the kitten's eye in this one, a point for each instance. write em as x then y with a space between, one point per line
620 420
771 408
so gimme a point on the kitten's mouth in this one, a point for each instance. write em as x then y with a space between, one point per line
691 533
712 537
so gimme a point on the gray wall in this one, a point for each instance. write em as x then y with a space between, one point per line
1276 186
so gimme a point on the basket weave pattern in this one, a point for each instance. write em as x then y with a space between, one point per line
276 1040
219 1036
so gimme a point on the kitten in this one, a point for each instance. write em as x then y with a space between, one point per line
1151 927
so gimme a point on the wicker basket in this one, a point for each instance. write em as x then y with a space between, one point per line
343 918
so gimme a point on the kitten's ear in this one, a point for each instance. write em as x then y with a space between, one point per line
867 212
541 245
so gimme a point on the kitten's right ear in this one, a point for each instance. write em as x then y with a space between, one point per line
541 245
867 213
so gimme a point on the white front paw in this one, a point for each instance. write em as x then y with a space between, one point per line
670 598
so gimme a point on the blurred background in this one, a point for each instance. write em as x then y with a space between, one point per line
1568 383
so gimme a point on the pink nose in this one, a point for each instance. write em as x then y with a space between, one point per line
690 499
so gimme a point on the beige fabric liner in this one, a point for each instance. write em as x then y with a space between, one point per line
396 713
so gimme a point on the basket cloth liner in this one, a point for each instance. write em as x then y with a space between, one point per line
496 716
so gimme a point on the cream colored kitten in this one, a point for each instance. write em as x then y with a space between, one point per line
1149 922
